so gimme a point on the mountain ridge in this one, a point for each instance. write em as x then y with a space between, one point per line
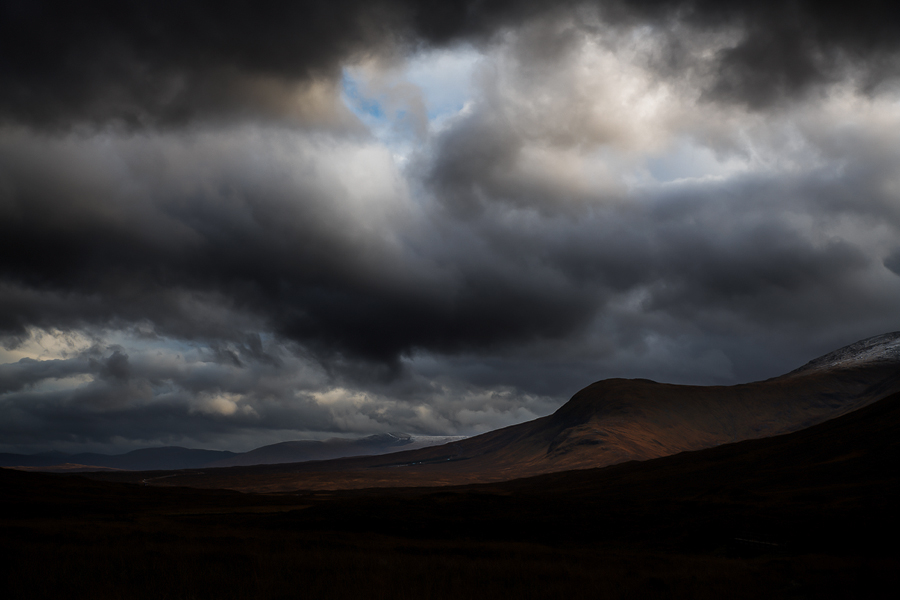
142 459
178 457
879 349
606 423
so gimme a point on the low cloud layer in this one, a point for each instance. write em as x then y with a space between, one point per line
225 226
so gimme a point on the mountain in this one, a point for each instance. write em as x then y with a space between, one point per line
832 488
66 468
170 458
145 459
304 450
609 422
878 350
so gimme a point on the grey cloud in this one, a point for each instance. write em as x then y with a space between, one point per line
892 262
782 50
770 65
243 251
147 400
185 400
170 63
27 371
115 367
759 272
703 261
173 63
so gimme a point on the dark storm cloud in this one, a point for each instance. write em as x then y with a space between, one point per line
169 62
246 252
98 414
784 49
892 262
158 63
113 368
202 401
149 398
172 62
27 371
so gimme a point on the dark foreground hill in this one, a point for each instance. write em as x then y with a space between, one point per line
811 514
606 423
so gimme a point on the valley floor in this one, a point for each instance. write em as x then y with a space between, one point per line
119 543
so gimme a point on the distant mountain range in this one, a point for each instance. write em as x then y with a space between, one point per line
170 458
145 459
305 450
609 422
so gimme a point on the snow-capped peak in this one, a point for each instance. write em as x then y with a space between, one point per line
880 349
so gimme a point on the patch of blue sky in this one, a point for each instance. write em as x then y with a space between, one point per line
371 110
142 342
446 78
686 161
138 346
682 162
367 108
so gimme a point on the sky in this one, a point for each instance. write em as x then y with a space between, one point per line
228 224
